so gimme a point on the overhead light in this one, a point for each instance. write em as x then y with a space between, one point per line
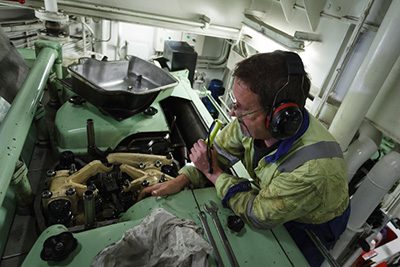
286 40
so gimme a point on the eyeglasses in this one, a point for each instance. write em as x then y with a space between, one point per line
233 108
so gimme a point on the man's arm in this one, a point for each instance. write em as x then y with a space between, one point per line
167 188
286 198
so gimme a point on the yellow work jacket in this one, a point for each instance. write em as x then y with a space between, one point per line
314 192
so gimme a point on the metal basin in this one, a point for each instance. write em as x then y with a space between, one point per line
117 86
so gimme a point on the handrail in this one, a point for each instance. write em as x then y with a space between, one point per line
15 126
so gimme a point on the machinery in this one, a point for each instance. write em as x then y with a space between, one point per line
125 125
90 116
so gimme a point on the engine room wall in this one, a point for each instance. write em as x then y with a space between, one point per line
147 42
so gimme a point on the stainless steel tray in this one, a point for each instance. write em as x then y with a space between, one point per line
119 85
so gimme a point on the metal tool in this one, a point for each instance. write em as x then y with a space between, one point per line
212 209
206 227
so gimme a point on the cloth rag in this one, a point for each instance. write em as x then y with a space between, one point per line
161 239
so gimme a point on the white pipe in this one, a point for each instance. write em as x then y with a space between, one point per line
83 35
378 63
363 148
376 184
359 152
103 45
145 16
348 51
51 5
368 131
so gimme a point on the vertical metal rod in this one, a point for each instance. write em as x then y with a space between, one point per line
89 206
213 211
16 124
90 134
206 227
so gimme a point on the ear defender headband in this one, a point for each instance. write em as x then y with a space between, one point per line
286 117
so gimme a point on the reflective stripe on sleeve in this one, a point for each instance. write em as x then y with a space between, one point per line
252 217
324 149
231 158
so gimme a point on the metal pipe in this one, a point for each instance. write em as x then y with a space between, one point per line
362 149
51 5
22 187
103 45
349 49
89 9
379 61
16 124
89 207
359 152
376 184
82 19
90 134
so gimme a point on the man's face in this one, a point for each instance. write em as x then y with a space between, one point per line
248 111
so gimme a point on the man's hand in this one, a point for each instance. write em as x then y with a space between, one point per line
198 155
167 188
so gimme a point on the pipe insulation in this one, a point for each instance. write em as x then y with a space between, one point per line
361 149
373 71
359 152
376 184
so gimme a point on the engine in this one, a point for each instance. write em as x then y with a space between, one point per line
99 191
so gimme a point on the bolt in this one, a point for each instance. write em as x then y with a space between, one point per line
142 165
72 169
91 187
126 183
50 173
70 191
162 178
47 194
145 183
158 163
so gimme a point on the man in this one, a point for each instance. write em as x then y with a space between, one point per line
294 161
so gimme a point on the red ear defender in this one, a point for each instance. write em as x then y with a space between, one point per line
276 110
283 106
285 121
286 117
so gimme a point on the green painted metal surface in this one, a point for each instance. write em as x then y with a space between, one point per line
70 124
7 211
252 247
16 124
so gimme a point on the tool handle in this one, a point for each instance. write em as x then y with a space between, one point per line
227 246
206 227
216 125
